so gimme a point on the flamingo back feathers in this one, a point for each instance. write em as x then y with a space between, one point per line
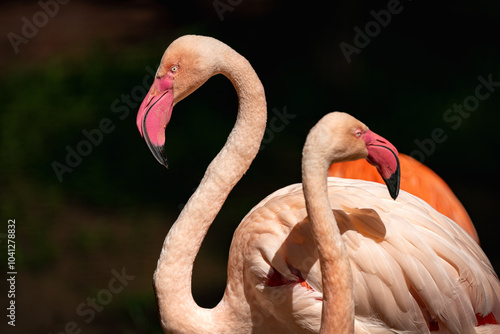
413 268
417 179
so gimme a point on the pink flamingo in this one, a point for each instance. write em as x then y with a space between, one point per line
411 268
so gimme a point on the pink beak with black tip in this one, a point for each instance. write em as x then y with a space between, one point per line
384 156
154 115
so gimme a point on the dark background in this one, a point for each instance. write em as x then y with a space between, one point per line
113 210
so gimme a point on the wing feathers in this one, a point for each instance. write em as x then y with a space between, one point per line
412 267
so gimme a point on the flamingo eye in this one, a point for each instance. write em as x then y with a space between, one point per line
174 68
358 133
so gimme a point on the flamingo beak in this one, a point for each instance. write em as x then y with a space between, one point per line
384 156
153 116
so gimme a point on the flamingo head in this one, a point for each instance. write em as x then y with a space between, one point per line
346 138
187 63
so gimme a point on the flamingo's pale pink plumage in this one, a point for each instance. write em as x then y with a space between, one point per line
412 269
417 179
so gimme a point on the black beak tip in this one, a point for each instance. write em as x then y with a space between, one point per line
393 183
160 155
158 152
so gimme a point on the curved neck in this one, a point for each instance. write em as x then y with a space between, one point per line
338 304
172 280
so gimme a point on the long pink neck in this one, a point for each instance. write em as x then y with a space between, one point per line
338 305
172 280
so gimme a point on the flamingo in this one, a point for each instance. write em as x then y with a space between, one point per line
417 179
411 268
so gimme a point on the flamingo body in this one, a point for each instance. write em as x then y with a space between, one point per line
413 269
391 266
417 179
